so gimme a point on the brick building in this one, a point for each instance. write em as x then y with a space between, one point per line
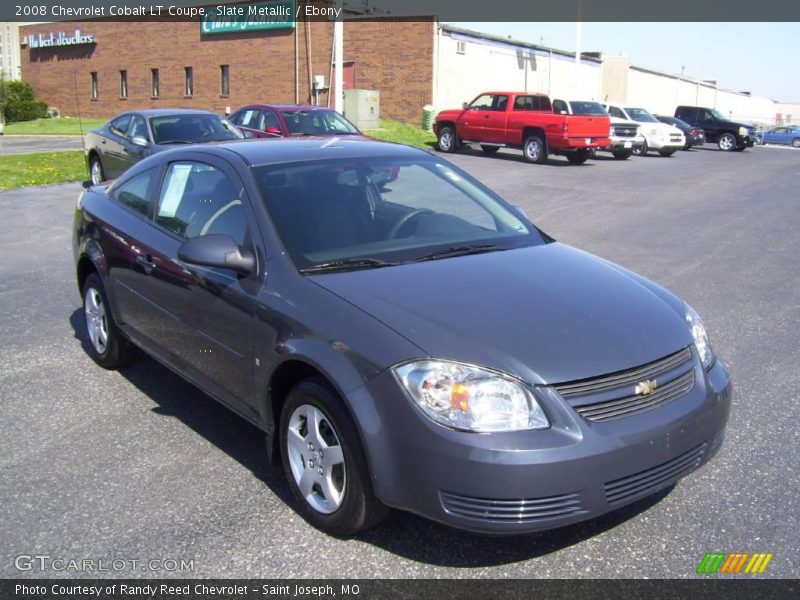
100 68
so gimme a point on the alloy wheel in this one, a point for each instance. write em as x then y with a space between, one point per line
96 320
727 142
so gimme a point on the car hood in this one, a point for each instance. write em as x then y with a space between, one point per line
547 314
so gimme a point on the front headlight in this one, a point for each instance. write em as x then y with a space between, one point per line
470 398
742 131
700 336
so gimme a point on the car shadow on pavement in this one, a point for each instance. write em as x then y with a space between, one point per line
516 156
403 534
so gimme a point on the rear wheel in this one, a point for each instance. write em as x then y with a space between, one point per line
666 152
324 462
534 150
447 142
578 158
727 142
107 346
640 150
489 149
96 170
622 154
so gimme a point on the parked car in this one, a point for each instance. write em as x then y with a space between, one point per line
624 134
694 135
521 120
131 136
789 135
284 120
719 129
664 139
417 344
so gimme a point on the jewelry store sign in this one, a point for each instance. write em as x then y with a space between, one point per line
250 17
61 38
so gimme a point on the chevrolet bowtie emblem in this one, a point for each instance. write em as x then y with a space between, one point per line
645 388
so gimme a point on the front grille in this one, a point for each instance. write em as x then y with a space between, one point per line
624 131
614 396
651 480
513 511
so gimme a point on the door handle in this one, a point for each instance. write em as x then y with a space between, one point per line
147 264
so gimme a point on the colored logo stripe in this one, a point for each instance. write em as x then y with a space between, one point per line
721 562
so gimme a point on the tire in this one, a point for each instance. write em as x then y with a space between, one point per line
96 173
107 346
666 152
641 150
622 154
796 143
577 158
447 140
489 149
341 501
727 142
534 150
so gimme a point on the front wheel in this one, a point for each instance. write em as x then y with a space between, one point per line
796 143
324 462
727 142
640 150
666 152
447 141
578 158
622 154
534 150
107 346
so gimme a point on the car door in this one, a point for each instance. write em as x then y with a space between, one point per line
710 125
131 152
200 319
471 123
112 146
495 119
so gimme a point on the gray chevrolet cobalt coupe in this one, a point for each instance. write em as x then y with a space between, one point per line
402 335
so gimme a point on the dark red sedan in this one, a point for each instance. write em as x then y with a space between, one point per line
287 120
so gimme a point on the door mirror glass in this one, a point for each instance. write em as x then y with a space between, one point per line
217 250
464 104
139 140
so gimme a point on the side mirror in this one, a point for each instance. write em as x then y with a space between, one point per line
140 140
465 105
217 250
276 131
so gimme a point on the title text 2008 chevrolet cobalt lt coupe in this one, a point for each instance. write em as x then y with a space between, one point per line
403 336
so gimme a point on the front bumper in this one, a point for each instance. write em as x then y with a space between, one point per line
505 483
625 143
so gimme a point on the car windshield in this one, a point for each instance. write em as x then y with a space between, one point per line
318 122
373 212
587 108
641 115
192 128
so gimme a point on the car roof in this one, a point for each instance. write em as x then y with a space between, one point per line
284 107
261 151
162 112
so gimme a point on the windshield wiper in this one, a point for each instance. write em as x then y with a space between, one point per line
348 263
175 142
457 251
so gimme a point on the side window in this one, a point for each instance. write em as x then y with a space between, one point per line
500 103
271 121
133 193
707 116
139 127
616 112
560 107
523 103
119 126
199 199
541 103
251 119
483 102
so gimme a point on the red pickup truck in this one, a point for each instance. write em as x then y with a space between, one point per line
521 120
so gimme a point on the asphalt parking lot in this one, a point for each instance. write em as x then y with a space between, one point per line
25 144
138 464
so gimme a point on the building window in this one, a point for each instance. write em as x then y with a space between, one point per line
224 80
188 81
94 85
461 47
155 84
123 84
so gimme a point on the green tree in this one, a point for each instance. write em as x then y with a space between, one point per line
18 102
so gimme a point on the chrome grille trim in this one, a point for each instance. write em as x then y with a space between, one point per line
651 480
624 378
517 511
624 407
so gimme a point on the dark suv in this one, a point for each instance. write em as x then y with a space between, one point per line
728 135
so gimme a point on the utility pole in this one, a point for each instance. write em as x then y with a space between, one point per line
338 60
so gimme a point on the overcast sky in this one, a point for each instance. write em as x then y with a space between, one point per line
762 58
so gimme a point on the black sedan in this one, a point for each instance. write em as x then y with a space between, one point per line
694 135
129 137
404 337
